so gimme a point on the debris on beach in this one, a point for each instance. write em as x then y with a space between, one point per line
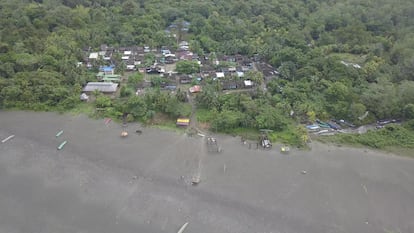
124 134
107 121
8 138
284 149
212 145
196 180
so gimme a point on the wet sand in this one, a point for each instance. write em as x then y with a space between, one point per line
102 183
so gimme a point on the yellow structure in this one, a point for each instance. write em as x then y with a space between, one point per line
183 121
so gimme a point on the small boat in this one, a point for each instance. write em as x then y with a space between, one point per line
60 147
312 127
323 124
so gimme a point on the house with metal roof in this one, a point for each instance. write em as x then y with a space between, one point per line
93 56
104 87
115 78
107 69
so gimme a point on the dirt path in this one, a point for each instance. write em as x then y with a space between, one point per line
202 150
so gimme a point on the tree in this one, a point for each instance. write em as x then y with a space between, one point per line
158 81
402 55
149 59
129 7
135 79
227 121
288 70
120 68
70 102
255 76
181 95
270 118
230 102
136 106
195 46
125 91
311 116
187 67
406 92
371 68
176 108
11 95
7 69
208 98
409 111
337 91
103 101
382 99
356 110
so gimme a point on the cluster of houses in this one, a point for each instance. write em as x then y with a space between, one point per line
132 57
229 70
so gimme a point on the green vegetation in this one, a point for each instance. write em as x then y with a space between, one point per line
335 59
187 67
204 115
392 137
135 79
83 108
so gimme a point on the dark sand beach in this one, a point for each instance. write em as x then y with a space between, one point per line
100 182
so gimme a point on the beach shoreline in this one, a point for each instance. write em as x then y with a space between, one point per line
100 182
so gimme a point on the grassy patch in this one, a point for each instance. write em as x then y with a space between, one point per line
394 138
169 125
290 136
204 115
286 137
162 121
250 134
293 135
83 108
186 109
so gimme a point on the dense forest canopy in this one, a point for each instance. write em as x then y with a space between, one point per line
306 40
